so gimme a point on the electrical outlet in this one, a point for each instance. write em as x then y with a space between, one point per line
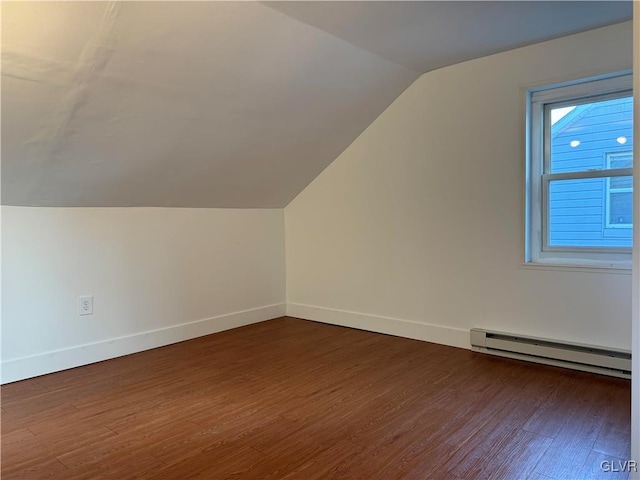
86 305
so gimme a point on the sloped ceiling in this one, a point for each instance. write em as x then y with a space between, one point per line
224 104
425 35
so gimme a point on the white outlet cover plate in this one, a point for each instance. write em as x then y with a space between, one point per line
85 305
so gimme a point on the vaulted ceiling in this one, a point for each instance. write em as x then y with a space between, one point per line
225 104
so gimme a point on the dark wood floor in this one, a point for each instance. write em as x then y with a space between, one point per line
301 400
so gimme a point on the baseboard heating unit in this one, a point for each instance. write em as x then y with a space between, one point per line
588 358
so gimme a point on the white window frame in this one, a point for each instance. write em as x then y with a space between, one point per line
609 190
538 176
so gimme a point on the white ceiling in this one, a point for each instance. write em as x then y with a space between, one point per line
224 104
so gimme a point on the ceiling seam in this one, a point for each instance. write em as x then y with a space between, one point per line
404 67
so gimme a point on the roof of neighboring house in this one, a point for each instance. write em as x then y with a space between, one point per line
582 111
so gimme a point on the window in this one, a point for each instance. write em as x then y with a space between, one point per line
580 173
619 195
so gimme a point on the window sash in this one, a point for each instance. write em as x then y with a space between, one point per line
584 89
584 174
547 178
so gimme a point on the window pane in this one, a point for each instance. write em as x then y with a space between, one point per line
592 136
620 208
616 183
620 160
577 215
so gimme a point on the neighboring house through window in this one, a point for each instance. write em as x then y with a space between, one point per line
579 173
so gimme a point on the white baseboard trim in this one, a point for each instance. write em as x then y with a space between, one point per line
54 361
454 337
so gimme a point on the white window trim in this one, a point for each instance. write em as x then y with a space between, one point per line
537 250
609 191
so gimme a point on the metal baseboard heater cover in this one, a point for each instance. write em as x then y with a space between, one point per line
588 358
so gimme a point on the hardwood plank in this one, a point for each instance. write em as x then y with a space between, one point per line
519 457
407 442
17 436
432 454
45 468
340 461
294 399
538 476
121 467
54 443
554 413
223 461
573 444
24 419
478 457
614 438
234 428
21 391
298 439
613 441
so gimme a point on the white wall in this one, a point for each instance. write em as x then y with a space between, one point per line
417 228
635 367
157 276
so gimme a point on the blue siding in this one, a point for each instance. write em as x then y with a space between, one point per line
577 208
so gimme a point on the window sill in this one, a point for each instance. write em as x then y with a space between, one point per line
608 268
